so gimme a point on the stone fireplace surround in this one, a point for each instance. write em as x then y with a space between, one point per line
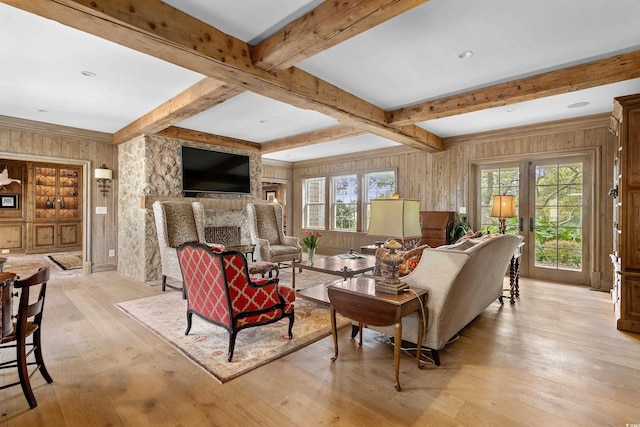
150 170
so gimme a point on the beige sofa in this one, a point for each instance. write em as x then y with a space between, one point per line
462 280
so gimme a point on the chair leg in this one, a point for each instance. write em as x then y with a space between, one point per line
164 283
39 359
189 316
291 319
23 373
232 344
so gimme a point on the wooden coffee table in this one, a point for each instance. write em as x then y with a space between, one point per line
357 299
338 265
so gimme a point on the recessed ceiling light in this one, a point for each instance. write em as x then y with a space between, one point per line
88 73
578 104
264 122
465 54
510 109
41 110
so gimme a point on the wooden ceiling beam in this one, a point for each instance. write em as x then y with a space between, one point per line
157 29
329 24
200 97
614 69
207 138
310 138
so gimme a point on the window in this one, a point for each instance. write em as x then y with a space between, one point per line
554 203
350 197
313 194
345 202
558 215
378 185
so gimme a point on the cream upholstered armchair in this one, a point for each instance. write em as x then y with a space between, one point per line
177 223
265 227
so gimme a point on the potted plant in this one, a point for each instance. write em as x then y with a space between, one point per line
459 228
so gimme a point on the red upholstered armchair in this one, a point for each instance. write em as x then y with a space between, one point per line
219 290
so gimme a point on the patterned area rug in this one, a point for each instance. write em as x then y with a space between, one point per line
207 344
67 261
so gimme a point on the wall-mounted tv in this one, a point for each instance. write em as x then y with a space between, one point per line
206 171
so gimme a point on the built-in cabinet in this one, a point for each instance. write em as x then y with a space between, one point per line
54 218
625 125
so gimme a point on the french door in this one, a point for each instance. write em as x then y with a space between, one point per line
554 200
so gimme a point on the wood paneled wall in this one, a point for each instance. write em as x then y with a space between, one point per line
36 141
441 180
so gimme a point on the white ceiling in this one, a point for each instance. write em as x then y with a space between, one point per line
404 61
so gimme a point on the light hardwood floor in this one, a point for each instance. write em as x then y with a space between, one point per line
554 358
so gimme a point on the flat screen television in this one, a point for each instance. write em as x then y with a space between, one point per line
206 171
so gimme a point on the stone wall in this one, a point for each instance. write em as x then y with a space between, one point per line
150 170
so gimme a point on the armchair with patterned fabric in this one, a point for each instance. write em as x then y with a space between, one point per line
267 234
220 290
176 223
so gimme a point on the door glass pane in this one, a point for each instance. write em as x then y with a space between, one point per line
558 216
493 182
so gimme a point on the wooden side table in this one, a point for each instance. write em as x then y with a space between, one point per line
356 298
245 249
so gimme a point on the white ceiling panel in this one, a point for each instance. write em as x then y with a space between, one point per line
42 65
256 118
565 106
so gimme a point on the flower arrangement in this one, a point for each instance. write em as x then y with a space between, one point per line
311 239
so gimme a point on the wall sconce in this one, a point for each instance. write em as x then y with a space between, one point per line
104 177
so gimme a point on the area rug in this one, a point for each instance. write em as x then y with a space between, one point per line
207 344
67 261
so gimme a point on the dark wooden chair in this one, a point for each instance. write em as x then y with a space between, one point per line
28 323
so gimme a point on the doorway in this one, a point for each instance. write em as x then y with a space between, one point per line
554 211
277 191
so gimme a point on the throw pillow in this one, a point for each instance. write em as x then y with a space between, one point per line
411 261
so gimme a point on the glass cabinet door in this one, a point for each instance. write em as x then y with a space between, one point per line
57 192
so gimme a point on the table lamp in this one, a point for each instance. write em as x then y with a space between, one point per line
503 207
397 219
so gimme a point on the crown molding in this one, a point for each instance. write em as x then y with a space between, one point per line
53 129
586 122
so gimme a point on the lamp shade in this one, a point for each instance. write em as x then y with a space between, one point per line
101 173
397 218
504 206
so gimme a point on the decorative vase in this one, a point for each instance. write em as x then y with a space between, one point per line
312 252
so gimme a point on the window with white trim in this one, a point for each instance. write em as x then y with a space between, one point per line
344 215
313 195
349 199
378 185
